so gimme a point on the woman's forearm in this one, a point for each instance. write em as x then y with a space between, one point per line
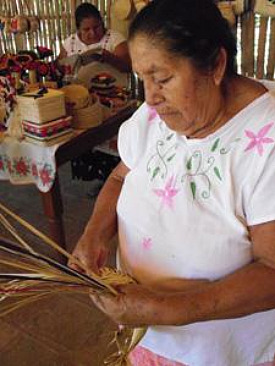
249 290
102 225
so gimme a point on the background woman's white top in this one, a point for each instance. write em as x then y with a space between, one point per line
73 45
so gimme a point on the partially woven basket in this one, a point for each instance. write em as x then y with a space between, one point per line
90 116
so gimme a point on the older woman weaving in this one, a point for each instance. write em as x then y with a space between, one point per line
192 198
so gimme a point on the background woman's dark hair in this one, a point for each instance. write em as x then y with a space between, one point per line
86 10
189 28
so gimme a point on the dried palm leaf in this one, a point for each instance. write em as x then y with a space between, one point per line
31 276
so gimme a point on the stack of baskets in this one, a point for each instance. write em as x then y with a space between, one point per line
85 109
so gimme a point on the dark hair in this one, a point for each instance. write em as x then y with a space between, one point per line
189 28
86 10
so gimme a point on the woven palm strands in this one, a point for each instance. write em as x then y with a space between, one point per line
30 276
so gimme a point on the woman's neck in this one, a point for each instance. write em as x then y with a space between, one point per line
236 94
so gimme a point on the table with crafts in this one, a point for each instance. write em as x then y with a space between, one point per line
22 162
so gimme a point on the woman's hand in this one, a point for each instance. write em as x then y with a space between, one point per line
135 305
93 255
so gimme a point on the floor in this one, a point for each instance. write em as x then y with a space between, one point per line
63 330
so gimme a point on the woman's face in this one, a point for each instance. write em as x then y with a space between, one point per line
91 30
182 96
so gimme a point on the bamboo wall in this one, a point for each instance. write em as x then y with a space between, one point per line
256 35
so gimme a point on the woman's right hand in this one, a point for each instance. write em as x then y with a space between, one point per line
93 255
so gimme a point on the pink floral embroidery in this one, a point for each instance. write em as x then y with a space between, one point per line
259 139
168 193
142 357
152 114
147 243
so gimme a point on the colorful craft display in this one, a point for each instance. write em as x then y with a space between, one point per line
43 116
42 106
110 95
86 109
7 101
30 67
47 133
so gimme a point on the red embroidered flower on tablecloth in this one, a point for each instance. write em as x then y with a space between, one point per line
2 166
34 171
45 175
21 168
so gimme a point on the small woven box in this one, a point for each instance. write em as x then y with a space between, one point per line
42 109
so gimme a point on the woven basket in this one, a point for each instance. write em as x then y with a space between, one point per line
88 117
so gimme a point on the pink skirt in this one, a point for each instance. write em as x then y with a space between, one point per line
141 356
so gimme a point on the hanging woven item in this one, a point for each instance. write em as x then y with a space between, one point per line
122 9
265 8
34 23
227 10
240 6
20 24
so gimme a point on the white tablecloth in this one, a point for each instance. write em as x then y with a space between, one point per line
22 162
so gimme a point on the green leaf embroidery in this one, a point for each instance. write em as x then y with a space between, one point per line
216 143
169 137
156 171
189 164
193 189
171 157
217 172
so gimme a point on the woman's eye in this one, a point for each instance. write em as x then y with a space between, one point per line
163 81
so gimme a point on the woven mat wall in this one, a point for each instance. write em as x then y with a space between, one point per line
255 34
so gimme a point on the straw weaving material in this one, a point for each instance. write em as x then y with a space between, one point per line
32 276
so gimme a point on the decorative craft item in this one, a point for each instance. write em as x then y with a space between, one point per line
48 133
122 9
226 8
44 52
89 116
125 9
265 8
139 4
34 24
35 276
20 24
2 23
43 105
76 96
43 68
7 25
239 6
7 101
32 67
16 75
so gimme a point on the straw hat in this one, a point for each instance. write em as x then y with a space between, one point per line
76 96
122 9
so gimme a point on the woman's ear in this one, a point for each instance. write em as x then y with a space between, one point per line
219 70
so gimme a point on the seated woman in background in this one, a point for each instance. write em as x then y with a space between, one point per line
110 55
110 47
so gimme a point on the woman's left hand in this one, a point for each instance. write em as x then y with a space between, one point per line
135 305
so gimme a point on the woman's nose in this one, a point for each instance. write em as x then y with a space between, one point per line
152 93
92 32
